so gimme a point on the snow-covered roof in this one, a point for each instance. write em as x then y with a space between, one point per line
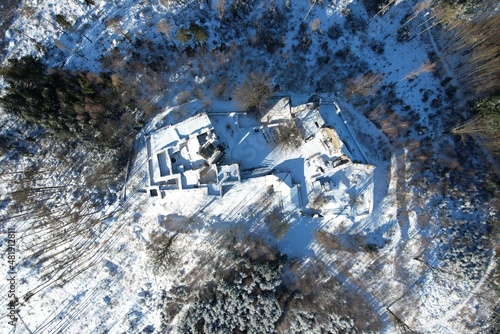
282 183
279 184
310 120
171 135
278 113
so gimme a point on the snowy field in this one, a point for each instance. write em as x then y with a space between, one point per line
384 224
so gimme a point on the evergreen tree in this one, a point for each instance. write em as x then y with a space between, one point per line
82 104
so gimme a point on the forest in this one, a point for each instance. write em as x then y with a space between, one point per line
418 83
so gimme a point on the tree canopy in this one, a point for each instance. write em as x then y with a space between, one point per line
80 105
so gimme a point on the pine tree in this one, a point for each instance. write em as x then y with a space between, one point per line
84 105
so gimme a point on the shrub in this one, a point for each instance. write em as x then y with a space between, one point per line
113 21
315 24
269 39
164 27
355 23
221 8
184 35
199 33
343 54
183 97
61 20
329 241
335 31
377 46
195 31
198 93
116 81
318 200
220 88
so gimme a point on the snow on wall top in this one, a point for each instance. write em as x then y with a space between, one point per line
171 135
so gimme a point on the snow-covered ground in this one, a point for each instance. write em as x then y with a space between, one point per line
410 243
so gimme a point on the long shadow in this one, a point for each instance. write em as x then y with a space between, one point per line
297 241
380 185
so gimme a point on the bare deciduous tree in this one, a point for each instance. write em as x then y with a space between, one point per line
221 8
278 226
288 136
161 252
116 81
428 66
318 200
328 241
474 43
165 27
254 93
364 85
